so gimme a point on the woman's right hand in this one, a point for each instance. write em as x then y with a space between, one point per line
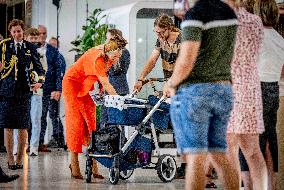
138 85
107 86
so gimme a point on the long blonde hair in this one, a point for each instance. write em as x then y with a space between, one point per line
267 10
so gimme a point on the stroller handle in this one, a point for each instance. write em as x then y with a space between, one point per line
131 96
133 93
154 80
163 98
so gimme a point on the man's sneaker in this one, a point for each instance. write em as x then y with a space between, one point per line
33 154
33 151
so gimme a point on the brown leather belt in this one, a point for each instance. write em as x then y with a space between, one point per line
223 82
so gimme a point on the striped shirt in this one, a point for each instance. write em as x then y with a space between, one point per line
214 24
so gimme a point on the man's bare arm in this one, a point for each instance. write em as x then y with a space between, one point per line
150 64
185 62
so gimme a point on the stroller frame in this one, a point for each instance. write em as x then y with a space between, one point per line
165 166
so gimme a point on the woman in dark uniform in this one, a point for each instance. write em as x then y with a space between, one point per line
16 87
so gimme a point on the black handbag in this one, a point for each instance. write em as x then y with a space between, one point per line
106 140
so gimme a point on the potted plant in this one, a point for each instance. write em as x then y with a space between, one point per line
94 34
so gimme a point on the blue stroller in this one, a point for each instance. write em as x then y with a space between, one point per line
121 156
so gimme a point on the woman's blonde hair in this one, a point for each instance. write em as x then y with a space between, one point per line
114 31
164 21
267 10
115 43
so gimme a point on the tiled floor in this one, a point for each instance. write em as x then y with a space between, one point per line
50 171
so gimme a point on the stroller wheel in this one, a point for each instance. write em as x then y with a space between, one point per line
89 176
166 168
113 175
89 164
126 174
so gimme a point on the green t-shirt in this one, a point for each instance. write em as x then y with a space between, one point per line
214 24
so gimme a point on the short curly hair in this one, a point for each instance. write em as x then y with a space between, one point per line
31 32
16 22
164 21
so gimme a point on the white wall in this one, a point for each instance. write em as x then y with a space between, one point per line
72 17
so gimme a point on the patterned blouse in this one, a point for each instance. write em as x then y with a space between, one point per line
247 116
169 54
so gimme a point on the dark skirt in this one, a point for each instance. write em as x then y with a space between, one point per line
270 98
15 113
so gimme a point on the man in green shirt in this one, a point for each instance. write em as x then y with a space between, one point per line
201 107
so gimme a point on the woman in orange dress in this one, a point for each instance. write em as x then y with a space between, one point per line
80 110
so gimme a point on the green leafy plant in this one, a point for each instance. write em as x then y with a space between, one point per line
94 33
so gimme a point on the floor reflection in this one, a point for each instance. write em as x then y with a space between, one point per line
50 171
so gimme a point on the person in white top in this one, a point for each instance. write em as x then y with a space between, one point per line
270 64
32 36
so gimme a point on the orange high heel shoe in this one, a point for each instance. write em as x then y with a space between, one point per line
98 176
75 176
95 171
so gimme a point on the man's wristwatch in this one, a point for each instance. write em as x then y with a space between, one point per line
140 80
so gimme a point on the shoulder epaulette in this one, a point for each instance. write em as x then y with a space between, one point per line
5 40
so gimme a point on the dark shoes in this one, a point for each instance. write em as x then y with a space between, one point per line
19 166
4 178
15 166
12 167
180 173
211 185
43 148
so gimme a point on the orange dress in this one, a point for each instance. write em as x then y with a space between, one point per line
80 110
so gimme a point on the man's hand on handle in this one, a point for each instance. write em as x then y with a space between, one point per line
138 85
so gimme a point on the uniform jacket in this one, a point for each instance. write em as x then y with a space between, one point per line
15 72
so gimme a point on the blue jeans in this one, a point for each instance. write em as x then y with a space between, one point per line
52 106
200 114
36 112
